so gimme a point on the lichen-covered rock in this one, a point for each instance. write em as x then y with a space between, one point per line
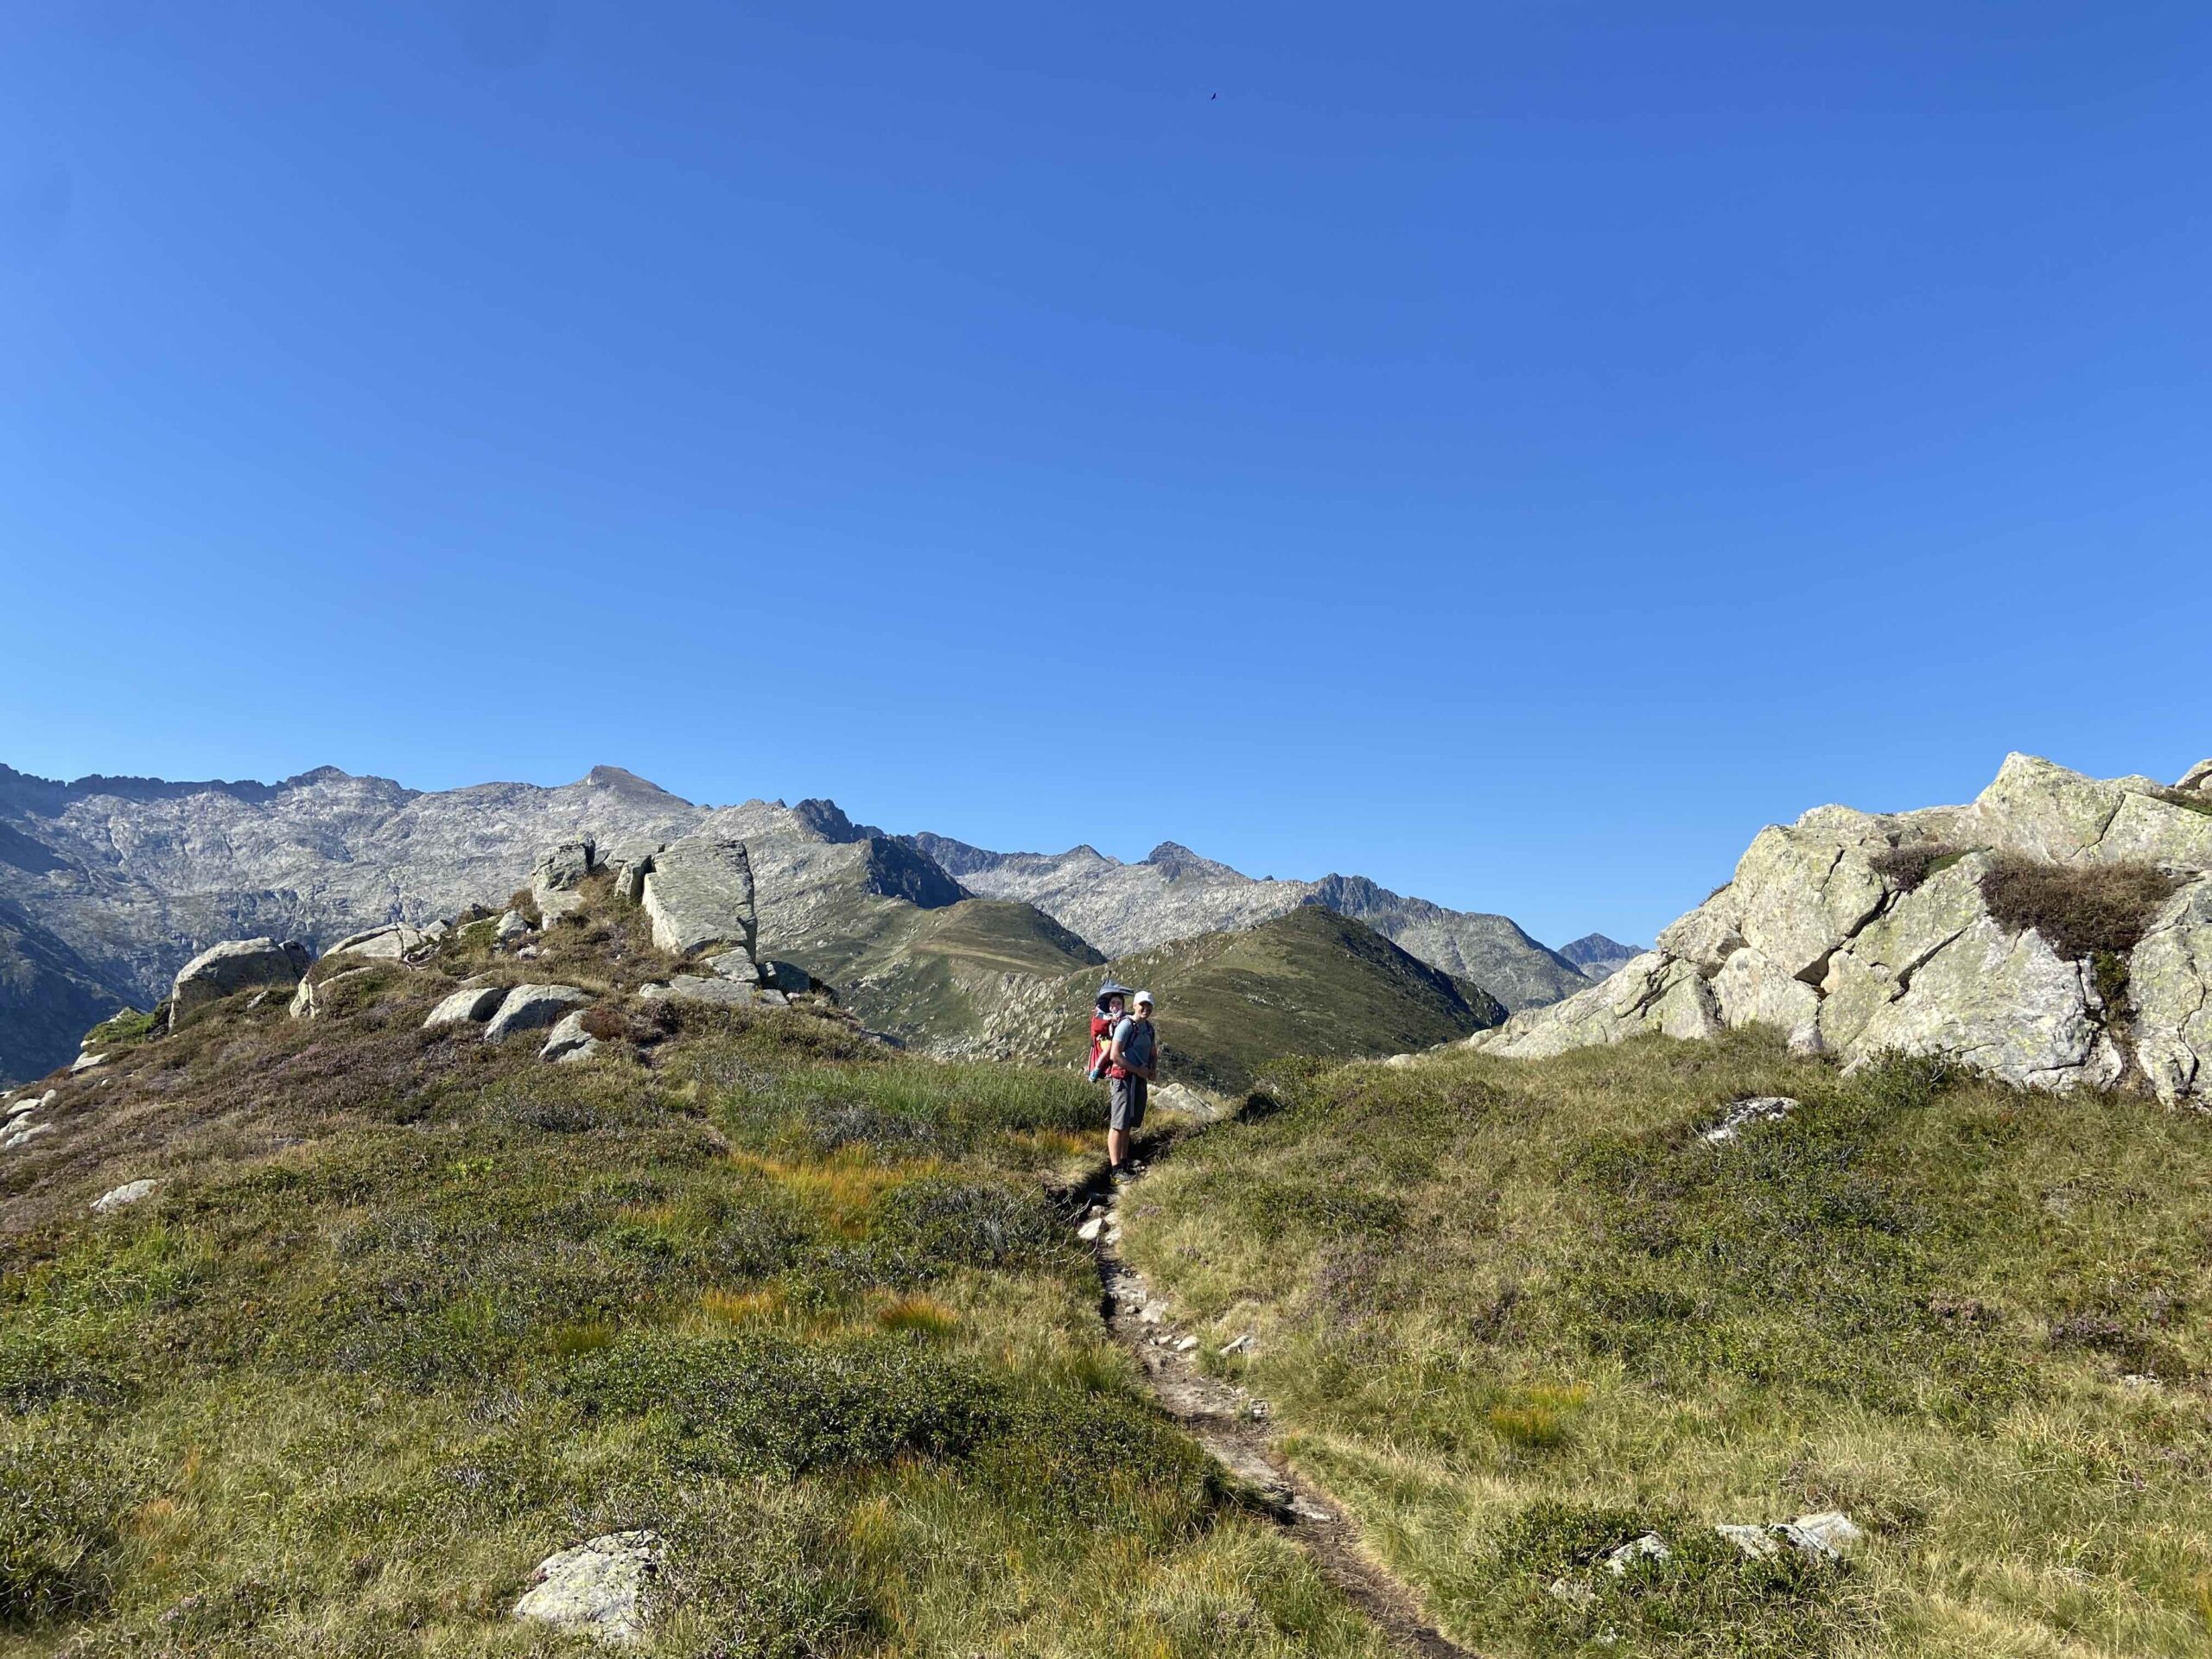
513 929
394 942
466 1006
312 999
556 877
698 987
532 1008
569 1040
2170 982
597 1588
699 896
1834 932
236 965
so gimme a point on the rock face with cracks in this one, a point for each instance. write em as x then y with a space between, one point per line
1856 934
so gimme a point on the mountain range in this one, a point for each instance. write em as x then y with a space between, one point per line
109 884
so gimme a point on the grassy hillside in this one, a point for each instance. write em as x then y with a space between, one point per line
1519 1314
408 1312
1308 982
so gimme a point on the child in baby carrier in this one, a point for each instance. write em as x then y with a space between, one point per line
1105 1014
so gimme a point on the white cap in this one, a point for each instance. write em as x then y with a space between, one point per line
1144 997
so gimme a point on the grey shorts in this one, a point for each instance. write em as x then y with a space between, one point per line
1127 1111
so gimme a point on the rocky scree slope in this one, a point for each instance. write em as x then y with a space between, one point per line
1175 894
2055 931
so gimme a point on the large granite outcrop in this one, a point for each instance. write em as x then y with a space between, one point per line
1858 933
699 894
236 965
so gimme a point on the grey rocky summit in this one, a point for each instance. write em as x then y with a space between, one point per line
1122 909
1856 934
1598 957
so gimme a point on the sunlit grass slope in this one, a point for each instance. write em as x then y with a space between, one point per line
1517 1314
409 1313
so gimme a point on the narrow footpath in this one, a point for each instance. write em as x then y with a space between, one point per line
1230 1425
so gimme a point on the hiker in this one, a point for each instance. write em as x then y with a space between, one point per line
1130 1065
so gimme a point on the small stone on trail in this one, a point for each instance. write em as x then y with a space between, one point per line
596 1588
1090 1230
129 1193
1186 1344
1238 1344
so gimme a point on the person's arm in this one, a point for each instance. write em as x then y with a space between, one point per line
1153 1065
1114 1054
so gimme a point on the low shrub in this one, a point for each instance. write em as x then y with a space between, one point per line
756 1403
2079 909
1907 867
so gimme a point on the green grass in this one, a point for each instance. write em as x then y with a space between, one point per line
409 1313
1517 1314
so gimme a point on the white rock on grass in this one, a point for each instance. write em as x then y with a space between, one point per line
466 1006
1649 1546
533 1007
86 1063
1761 1109
25 1107
569 1040
512 927
1089 1230
597 1588
117 1198
393 942
1823 1536
22 1134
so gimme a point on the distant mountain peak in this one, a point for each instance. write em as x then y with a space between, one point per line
827 819
1173 860
628 782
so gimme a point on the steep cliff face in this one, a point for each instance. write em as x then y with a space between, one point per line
2056 932
1175 894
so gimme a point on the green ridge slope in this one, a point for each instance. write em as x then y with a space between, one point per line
1309 982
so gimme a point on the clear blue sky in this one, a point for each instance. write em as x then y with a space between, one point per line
1511 450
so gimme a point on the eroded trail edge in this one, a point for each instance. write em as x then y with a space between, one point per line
1228 1423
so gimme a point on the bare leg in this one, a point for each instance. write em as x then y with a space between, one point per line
1117 1147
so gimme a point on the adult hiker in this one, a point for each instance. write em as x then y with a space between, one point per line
1130 1063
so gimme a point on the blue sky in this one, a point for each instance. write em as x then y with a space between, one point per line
1510 450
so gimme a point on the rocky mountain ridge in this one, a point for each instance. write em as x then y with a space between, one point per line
1174 894
2055 931
108 885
